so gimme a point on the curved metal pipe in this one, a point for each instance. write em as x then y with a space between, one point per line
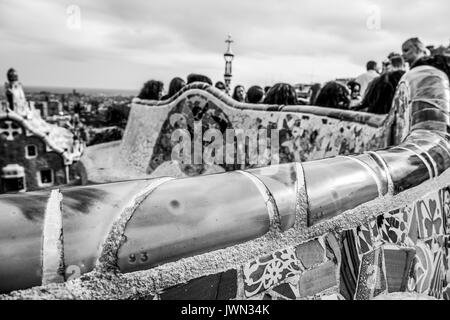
423 96
134 225
169 225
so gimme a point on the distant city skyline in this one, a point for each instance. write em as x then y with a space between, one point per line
60 90
113 44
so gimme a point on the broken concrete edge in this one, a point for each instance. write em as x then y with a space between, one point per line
135 285
52 253
301 202
92 165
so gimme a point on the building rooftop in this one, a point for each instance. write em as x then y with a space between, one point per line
57 139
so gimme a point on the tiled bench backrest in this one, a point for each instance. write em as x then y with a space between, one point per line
347 226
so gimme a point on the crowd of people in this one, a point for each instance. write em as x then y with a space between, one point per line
371 91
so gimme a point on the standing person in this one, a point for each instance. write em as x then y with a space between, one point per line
365 78
239 93
281 94
413 49
381 92
438 61
221 86
313 93
397 63
394 62
255 94
334 95
195 77
175 85
355 94
152 90
387 66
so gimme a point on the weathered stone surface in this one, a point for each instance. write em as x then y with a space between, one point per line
317 280
310 253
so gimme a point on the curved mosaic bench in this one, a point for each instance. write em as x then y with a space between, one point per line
352 227
302 133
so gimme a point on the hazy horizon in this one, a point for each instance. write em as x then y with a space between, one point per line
111 44
71 88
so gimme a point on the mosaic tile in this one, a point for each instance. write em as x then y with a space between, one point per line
375 233
446 292
446 260
267 297
393 226
437 247
445 196
368 237
428 269
330 292
285 290
264 273
302 136
260 296
372 276
364 242
398 266
429 215
335 296
413 229
318 279
310 253
333 250
220 286
227 285
349 266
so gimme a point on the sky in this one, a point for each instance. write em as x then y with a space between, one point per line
117 44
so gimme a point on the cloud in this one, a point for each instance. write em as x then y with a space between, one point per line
295 40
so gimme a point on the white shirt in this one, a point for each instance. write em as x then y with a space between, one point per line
364 80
